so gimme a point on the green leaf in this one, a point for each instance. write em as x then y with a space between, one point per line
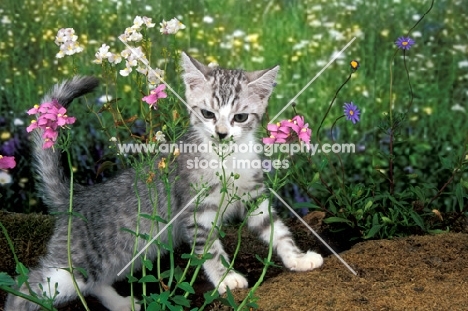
446 162
148 264
181 300
185 286
131 279
159 219
464 183
417 219
368 205
386 220
82 271
210 298
148 279
79 216
316 177
459 193
154 306
372 232
222 234
334 219
147 216
6 280
129 231
230 299
178 273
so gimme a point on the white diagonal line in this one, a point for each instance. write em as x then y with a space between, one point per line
160 231
145 62
313 231
313 79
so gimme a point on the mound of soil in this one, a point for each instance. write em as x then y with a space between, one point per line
412 273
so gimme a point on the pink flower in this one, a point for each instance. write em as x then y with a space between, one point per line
49 133
7 162
48 143
154 95
49 117
304 135
32 126
278 134
33 110
281 131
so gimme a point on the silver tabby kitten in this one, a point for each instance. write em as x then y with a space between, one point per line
224 103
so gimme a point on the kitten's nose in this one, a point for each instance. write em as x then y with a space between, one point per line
221 135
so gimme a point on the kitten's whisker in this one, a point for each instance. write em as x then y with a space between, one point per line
313 79
145 62
160 231
313 231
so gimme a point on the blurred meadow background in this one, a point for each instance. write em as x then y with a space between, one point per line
299 35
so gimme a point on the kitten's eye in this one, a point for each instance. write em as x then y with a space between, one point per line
241 117
208 114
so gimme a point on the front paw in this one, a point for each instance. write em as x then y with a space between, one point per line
233 280
303 262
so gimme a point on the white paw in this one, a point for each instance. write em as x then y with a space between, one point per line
233 280
303 262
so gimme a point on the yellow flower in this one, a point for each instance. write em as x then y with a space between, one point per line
162 164
5 135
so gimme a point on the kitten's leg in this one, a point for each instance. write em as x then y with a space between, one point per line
213 267
39 275
112 300
292 257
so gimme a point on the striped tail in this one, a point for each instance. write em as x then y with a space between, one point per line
53 185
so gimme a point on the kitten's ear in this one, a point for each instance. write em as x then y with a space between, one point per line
261 82
194 72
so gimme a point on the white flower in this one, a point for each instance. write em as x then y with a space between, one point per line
18 122
5 178
148 22
102 54
113 139
208 19
125 72
67 40
171 27
70 48
137 23
238 33
104 99
154 76
126 53
114 58
142 70
133 54
64 35
123 37
458 107
132 34
160 137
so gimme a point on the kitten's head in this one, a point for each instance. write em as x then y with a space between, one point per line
225 102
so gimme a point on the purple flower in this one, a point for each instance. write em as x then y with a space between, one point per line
351 112
404 43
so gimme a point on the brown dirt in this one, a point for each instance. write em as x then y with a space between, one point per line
412 273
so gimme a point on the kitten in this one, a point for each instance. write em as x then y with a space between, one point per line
224 104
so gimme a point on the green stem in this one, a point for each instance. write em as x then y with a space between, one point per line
69 232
